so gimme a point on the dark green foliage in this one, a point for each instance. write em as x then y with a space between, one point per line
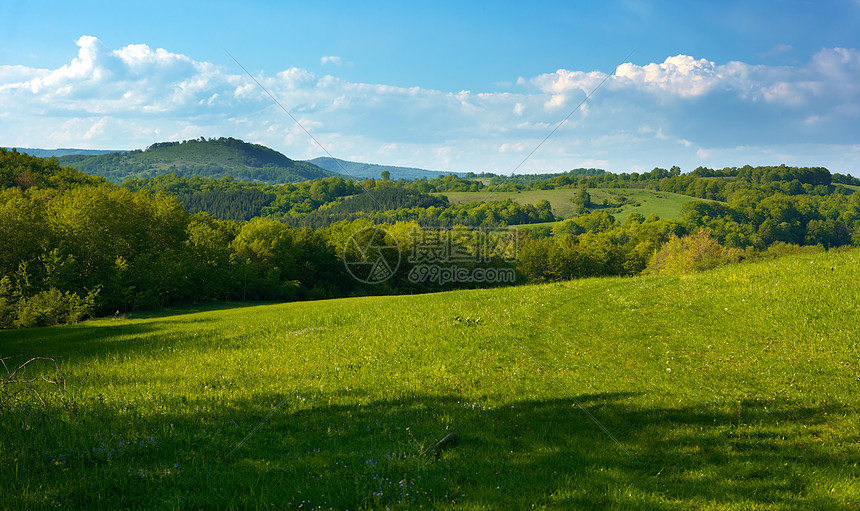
582 201
239 205
445 184
45 308
595 222
760 175
844 179
386 199
213 158
285 201
542 181
592 245
382 203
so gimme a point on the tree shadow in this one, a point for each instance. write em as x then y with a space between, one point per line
292 451
89 339
194 309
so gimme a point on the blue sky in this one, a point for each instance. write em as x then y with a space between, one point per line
445 85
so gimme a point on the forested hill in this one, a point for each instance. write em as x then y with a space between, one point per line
359 170
213 158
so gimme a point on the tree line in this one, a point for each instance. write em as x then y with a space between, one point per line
73 246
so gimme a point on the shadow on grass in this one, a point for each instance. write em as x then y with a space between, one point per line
194 309
105 337
520 455
88 338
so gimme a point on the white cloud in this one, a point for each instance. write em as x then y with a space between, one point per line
133 79
98 128
337 61
17 74
832 72
684 109
515 147
681 75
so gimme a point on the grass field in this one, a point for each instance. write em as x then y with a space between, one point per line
732 389
663 204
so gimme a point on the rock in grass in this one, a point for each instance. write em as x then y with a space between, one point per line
450 440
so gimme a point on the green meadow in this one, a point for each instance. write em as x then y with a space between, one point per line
646 202
731 389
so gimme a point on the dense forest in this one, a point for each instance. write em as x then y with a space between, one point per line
75 245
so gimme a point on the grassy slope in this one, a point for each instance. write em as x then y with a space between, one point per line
663 204
733 389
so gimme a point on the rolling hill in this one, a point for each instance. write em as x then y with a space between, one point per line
371 170
730 389
214 158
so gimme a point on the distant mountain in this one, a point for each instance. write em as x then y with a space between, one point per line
365 170
215 158
47 153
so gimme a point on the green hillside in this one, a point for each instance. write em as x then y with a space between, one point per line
215 158
731 389
620 201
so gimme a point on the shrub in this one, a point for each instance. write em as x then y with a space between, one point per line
53 307
696 252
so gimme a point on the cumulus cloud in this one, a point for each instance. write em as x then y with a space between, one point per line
133 79
684 109
681 75
16 74
831 71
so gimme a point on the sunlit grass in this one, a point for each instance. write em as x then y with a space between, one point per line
732 389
